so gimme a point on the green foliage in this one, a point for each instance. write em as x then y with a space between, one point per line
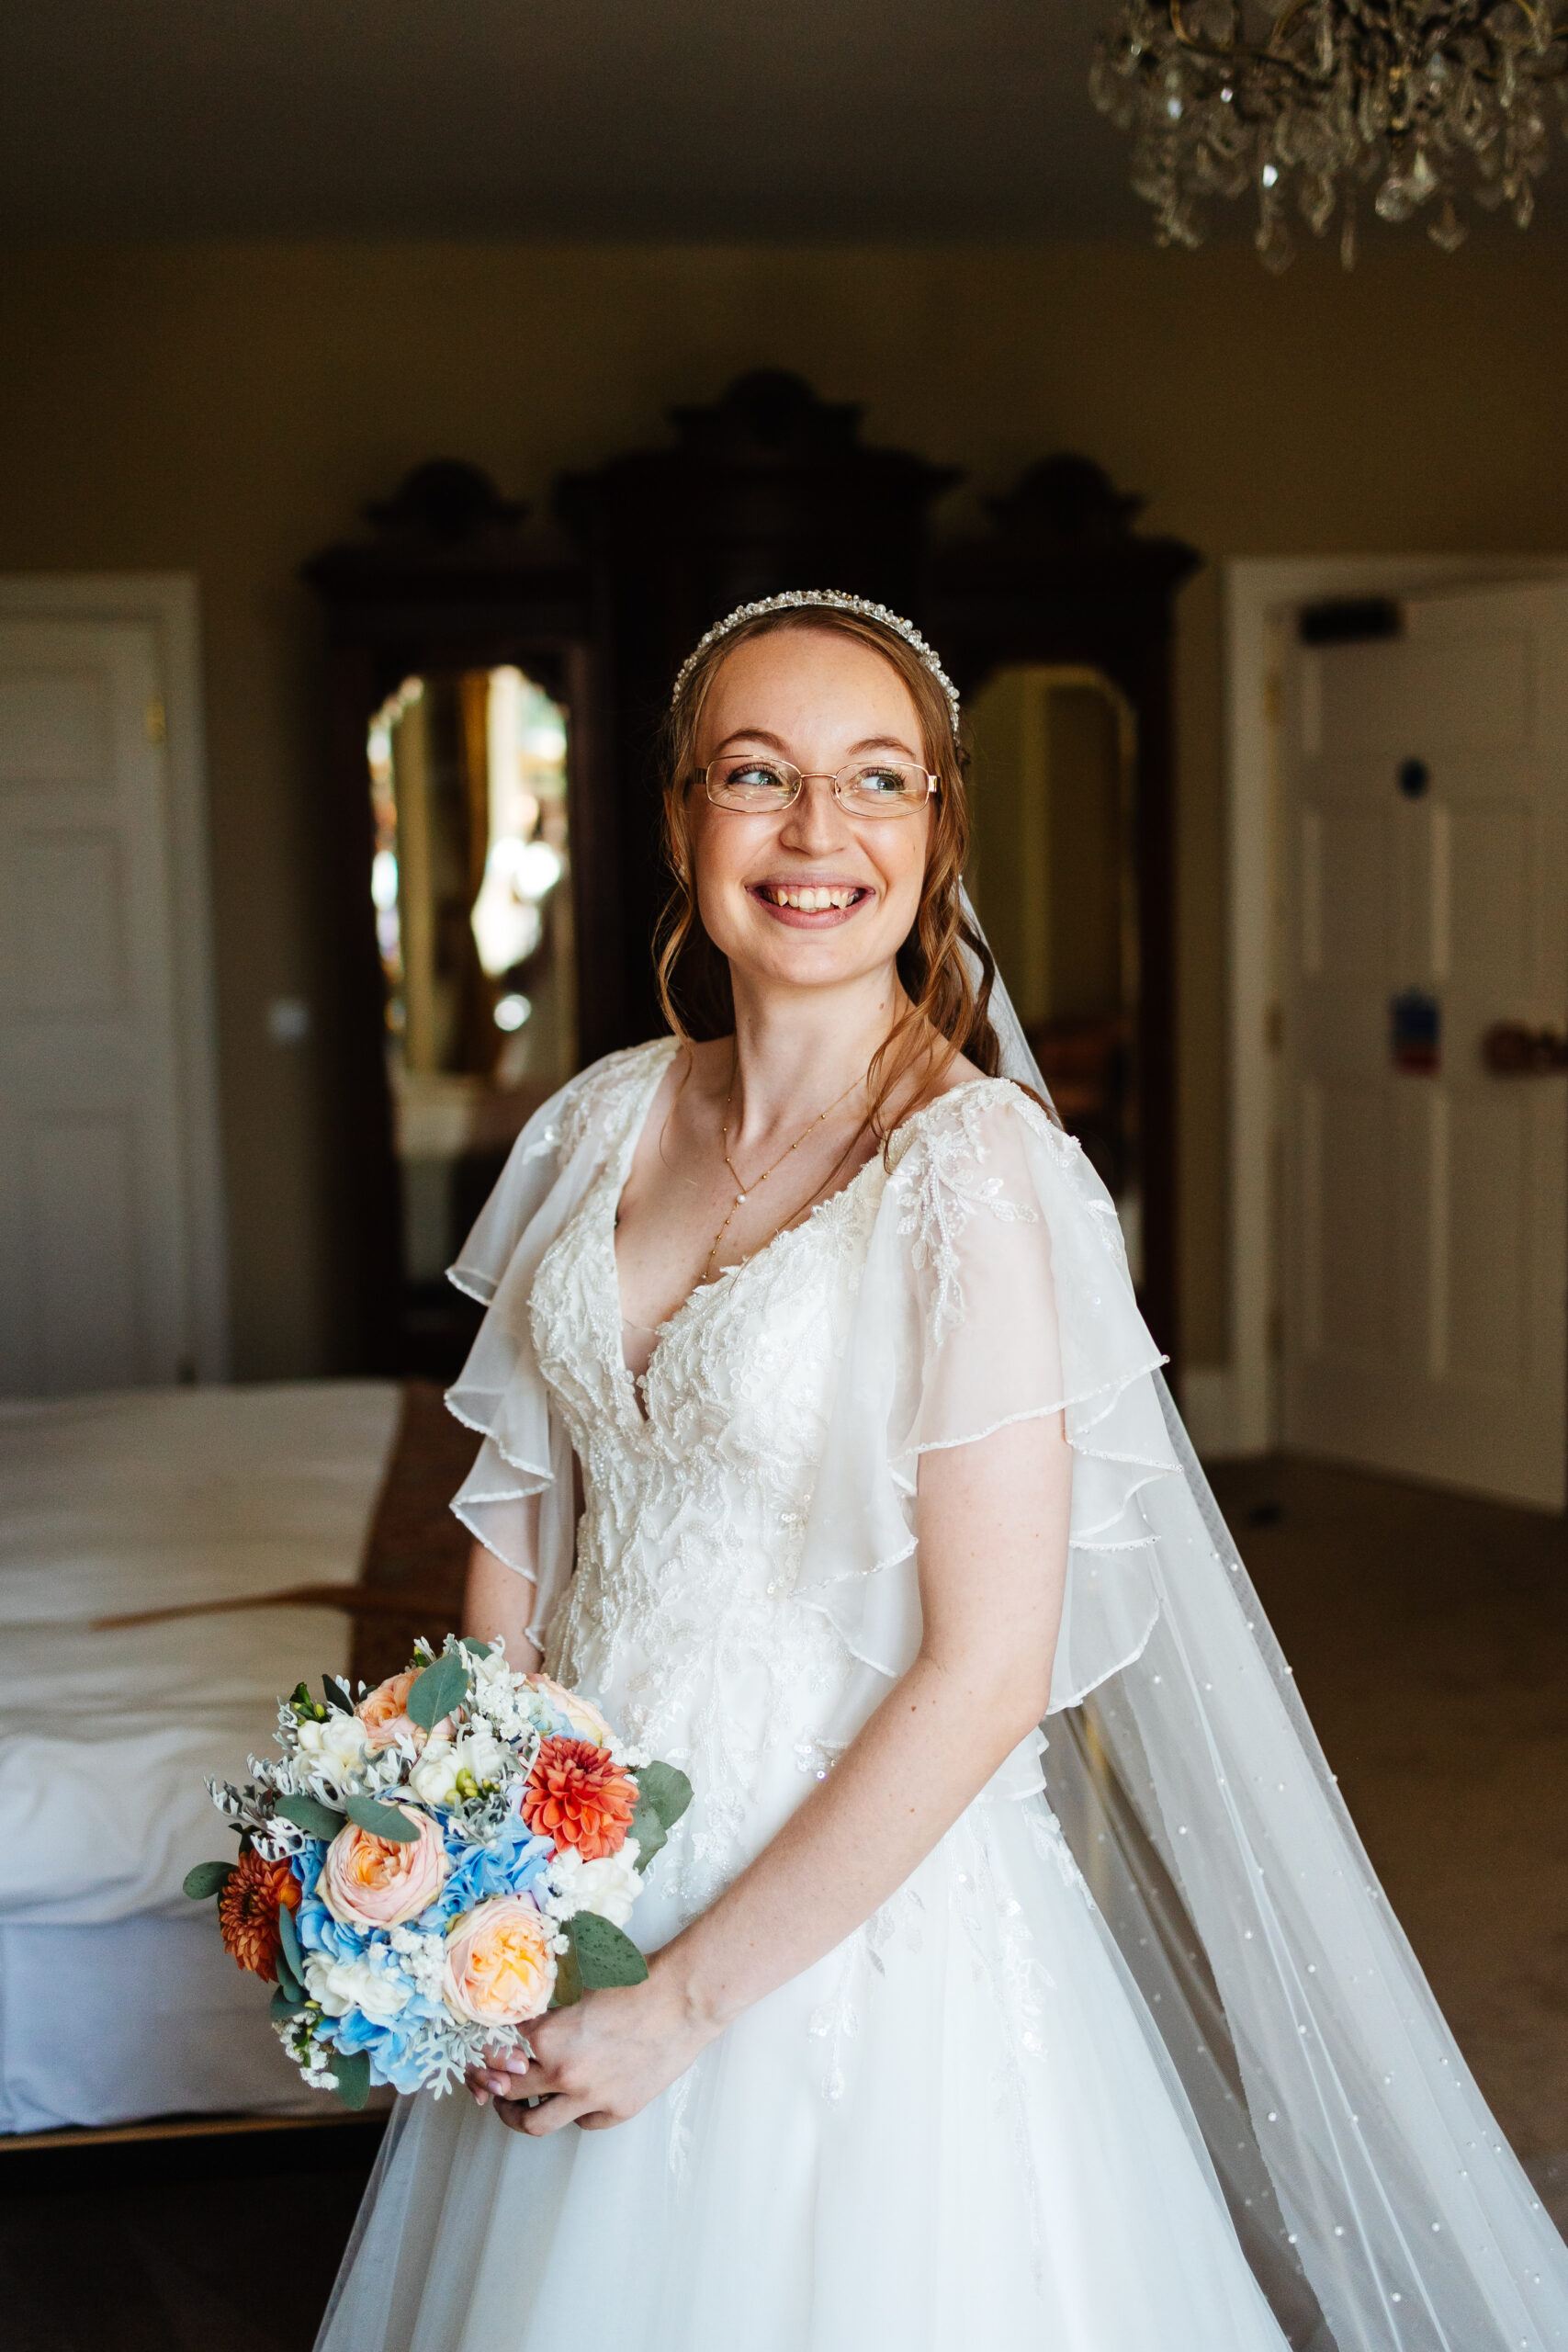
569 1976
353 2077
663 1795
381 1820
337 1694
307 1812
666 1790
476 1649
288 1984
206 1879
605 1954
649 1831
289 1936
285 2007
439 1689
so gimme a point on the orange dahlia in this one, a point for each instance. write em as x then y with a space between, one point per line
578 1796
248 1909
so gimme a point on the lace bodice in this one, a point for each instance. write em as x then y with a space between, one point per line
697 1481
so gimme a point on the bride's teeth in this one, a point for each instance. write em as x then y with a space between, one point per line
812 900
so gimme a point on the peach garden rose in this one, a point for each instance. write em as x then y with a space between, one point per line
369 1882
384 1712
499 1968
580 1713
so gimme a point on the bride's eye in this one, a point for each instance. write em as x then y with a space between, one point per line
755 775
883 783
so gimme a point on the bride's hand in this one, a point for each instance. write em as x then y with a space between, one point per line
597 2063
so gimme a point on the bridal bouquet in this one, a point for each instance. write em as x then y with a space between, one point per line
426 1868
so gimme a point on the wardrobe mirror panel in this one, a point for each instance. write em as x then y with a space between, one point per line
473 910
1053 877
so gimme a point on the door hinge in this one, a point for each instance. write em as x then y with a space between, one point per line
154 721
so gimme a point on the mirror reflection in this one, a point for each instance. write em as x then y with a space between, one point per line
1053 877
470 881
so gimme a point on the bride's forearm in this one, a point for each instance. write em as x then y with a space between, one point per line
498 1603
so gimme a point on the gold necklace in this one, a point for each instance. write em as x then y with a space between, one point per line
745 1190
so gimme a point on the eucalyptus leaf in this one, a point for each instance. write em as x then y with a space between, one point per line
569 1976
475 1648
437 1690
605 1956
307 1812
289 1938
649 1831
337 1694
381 1820
666 1790
353 2077
285 2007
206 1879
288 1984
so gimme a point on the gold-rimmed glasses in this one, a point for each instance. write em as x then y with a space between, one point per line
759 783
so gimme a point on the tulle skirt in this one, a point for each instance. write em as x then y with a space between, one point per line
957 2129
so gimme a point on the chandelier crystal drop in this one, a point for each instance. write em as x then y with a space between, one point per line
1414 102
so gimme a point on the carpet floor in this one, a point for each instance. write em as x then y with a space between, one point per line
1429 1637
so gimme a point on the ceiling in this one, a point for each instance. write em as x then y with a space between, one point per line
709 120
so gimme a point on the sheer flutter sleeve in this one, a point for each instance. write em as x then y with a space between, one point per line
500 1393
995 1290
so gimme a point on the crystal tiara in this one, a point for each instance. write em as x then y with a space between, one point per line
836 601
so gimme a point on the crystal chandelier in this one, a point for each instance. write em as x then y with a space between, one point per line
1413 98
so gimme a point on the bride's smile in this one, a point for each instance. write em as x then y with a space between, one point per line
821 889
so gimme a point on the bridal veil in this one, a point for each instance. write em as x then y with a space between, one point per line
1378 2202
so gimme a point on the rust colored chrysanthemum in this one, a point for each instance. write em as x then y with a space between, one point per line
576 1795
248 1909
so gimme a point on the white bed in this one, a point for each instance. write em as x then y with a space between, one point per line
117 1999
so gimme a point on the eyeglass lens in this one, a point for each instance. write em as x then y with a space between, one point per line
877 787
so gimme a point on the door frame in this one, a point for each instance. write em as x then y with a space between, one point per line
1233 1410
168 603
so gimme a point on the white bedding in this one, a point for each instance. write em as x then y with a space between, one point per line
113 1504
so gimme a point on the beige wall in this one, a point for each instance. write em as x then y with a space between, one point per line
226 410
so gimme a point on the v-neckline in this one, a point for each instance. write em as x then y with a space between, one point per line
633 1385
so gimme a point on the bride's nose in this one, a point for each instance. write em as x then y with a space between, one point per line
814 822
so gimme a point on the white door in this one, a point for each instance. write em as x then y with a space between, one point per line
1424 799
93 1221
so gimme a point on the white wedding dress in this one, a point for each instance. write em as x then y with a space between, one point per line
961 2127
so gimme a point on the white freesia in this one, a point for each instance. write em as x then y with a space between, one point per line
480 1753
434 1778
344 1984
340 1743
609 1886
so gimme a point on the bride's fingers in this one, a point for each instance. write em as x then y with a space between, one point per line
552 2114
501 2073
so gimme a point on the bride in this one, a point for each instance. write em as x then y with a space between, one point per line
825 1450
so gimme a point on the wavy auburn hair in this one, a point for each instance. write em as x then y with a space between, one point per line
947 1012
